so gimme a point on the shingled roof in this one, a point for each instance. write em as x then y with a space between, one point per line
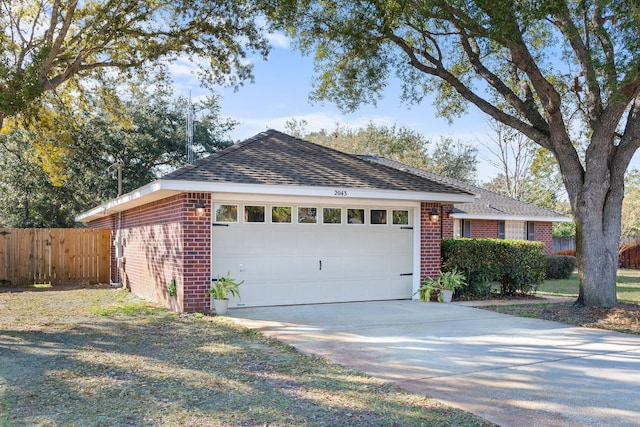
486 204
275 158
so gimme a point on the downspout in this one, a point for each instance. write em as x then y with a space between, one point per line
117 243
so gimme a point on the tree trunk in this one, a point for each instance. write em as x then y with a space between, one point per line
598 219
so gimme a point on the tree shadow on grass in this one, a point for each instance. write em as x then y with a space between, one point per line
184 371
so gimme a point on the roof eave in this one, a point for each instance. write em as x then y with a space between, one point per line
163 188
509 217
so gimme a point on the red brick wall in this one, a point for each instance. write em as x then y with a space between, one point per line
543 232
484 229
164 240
431 233
489 229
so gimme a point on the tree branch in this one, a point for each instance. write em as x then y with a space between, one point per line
438 70
592 90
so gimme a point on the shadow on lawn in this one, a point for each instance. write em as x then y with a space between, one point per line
178 370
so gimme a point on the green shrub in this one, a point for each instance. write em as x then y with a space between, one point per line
519 266
559 266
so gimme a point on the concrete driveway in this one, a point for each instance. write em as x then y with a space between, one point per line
511 371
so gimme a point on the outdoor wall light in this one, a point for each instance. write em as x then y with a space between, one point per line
200 208
434 215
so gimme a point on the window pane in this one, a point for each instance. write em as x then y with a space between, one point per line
227 213
400 217
531 231
501 230
355 216
378 216
254 214
466 228
307 215
280 214
332 215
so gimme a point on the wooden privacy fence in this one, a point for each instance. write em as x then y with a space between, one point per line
630 256
54 255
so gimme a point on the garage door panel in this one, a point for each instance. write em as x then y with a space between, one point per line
313 263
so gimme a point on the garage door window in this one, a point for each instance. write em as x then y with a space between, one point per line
226 213
355 216
332 216
254 214
400 217
378 216
307 215
281 214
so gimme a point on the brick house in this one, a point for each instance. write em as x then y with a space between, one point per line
490 215
298 222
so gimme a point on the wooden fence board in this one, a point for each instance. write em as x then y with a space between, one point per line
54 256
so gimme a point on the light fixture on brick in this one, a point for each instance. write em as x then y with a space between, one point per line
434 215
200 208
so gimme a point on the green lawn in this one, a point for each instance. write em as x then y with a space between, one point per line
628 286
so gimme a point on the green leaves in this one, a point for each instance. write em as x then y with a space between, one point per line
519 266
74 39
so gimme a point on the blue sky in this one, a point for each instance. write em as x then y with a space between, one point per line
281 92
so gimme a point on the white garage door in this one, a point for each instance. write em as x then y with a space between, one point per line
313 254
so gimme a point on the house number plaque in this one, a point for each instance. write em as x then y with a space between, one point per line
340 193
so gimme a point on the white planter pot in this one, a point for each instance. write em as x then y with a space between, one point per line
446 295
221 306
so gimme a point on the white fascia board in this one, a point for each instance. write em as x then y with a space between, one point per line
505 217
164 188
334 192
145 194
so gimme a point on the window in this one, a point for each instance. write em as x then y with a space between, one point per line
378 216
466 228
400 217
355 216
331 216
226 213
501 230
281 214
531 230
254 214
307 215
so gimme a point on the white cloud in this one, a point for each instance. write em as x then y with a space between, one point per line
279 40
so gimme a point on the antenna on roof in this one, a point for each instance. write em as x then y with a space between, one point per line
189 143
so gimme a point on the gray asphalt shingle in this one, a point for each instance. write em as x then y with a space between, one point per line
275 158
487 202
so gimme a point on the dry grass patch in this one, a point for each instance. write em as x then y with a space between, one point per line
101 357
624 318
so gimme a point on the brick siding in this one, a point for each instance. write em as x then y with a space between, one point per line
489 229
484 229
164 240
431 233
544 234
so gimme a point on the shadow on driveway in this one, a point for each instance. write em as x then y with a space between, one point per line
511 371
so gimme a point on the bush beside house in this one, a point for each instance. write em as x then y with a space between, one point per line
519 266
560 266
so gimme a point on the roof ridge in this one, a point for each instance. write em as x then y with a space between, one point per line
213 156
360 159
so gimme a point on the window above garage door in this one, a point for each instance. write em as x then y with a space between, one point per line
309 215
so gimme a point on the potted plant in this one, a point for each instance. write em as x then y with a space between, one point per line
429 286
449 282
220 289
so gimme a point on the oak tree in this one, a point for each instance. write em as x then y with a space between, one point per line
555 70
45 43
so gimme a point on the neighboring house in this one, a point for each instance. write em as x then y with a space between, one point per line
490 215
298 222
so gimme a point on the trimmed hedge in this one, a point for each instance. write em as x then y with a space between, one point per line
518 265
560 266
